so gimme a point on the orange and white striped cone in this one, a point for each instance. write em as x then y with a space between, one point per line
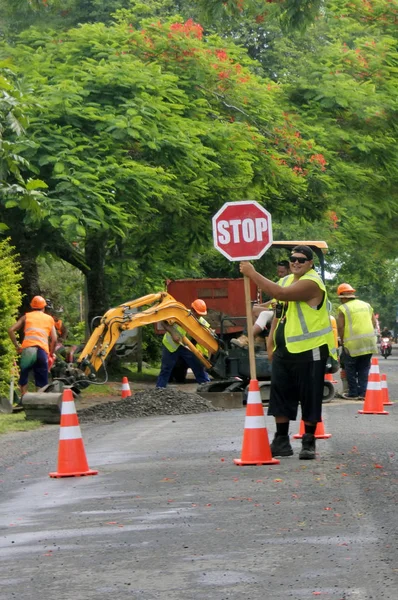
373 404
329 377
126 392
256 449
319 431
72 461
384 389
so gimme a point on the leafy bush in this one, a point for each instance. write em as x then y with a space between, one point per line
10 301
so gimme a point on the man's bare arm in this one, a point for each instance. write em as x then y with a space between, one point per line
11 332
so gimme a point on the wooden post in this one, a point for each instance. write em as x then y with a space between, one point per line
139 350
252 360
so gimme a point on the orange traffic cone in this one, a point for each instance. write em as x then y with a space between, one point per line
384 389
72 460
319 431
126 392
329 377
373 404
256 449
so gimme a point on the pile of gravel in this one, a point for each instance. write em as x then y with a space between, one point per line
149 402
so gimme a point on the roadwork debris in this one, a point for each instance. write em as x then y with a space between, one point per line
147 403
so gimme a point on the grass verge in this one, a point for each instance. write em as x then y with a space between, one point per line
17 422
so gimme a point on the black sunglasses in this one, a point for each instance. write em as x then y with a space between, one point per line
298 259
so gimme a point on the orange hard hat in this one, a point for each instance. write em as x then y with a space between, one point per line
199 306
38 302
344 289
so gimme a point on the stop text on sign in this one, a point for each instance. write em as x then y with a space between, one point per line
246 230
242 230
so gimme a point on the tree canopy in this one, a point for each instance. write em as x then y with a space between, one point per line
144 124
141 134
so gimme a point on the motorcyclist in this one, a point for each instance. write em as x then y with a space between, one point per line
386 333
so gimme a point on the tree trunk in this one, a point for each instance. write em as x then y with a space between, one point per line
27 258
95 251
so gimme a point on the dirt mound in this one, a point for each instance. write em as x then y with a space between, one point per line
146 403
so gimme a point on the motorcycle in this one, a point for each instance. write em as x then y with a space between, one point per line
385 347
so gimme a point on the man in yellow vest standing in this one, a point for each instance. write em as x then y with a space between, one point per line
302 341
356 328
38 329
173 349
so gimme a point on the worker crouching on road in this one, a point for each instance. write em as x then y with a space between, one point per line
38 329
302 341
356 327
173 348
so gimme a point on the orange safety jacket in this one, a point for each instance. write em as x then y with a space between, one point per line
58 326
37 330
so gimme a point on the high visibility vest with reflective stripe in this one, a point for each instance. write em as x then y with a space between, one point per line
37 330
359 335
307 328
202 349
284 282
168 341
58 326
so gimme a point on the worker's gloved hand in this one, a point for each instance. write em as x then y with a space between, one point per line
176 338
246 268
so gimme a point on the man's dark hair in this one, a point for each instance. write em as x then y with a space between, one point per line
284 263
306 250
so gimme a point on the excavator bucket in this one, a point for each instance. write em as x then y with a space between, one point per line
45 404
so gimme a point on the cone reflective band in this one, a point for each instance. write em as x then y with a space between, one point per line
319 431
126 392
373 404
255 448
72 461
384 389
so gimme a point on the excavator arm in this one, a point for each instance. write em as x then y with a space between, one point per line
161 307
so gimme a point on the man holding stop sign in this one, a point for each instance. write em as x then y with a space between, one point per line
302 341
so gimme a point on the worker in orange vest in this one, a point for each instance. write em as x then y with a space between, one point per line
60 328
39 342
62 331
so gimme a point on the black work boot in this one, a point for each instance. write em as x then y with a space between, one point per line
280 446
307 451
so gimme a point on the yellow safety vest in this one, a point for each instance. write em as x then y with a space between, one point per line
284 282
307 328
359 335
168 341
171 344
202 349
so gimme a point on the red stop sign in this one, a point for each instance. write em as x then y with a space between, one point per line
242 230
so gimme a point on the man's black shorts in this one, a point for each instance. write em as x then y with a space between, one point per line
297 382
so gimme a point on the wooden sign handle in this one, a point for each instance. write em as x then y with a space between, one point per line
252 360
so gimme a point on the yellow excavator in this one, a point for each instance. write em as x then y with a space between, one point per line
146 310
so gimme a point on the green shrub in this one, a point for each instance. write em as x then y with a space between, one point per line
10 301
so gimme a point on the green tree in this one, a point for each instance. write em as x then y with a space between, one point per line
22 197
10 300
339 76
141 135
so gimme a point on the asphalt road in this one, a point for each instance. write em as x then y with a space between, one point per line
169 516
